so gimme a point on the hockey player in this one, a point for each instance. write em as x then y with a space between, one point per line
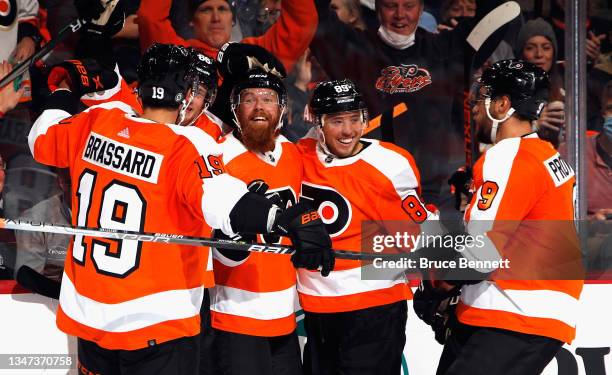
253 301
509 326
135 306
354 324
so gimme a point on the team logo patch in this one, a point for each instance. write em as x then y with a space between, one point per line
333 208
403 79
559 170
8 13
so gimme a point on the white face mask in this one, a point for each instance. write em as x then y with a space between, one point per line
395 40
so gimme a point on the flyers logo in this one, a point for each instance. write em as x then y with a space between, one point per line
333 208
402 79
8 13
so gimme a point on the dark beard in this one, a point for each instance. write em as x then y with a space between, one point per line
259 139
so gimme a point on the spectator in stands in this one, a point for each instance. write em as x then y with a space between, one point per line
399 65
9 97
295 127
211 22
349 12
40 257
536 43
451 10
599 164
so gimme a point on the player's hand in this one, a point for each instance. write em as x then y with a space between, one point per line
82 76
593 45
24 49
552 116
237 59
9 97
460 182
308 234
602 214
103 17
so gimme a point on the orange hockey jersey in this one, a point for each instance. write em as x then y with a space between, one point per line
256 295
523 191
373 185
134 174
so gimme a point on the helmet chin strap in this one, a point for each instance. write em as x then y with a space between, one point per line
183 110
496 122
323 144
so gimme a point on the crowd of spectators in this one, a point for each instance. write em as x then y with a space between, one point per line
408 57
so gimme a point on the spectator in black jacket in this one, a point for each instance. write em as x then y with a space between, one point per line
398 64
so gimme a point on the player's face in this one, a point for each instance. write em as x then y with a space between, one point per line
400 16
539 51
197 104
479 116
342 132
258 113
212 22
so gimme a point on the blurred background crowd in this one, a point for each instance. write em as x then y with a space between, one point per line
409 58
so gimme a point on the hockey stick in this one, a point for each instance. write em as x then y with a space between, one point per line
20 68
489 24
37 226
37 283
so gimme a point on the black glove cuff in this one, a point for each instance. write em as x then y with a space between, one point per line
64 100
250 214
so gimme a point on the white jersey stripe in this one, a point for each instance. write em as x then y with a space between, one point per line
128 316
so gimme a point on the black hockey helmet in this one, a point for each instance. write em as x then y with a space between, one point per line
161 75
202 70
336 96
524 83
259 78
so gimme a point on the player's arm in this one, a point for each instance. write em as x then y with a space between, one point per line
52 134
225 203
28 35
291 34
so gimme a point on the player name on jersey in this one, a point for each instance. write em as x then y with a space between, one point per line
122 158
558 169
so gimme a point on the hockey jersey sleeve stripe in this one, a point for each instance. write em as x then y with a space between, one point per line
345 282
46 120
221 192
127 316
395 167
264 306
488 296
498 164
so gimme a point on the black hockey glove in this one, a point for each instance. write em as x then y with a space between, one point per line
307 232
436 307
83 76
237 59
460 182
103 17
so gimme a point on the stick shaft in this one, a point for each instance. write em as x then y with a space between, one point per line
37 226
20 68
